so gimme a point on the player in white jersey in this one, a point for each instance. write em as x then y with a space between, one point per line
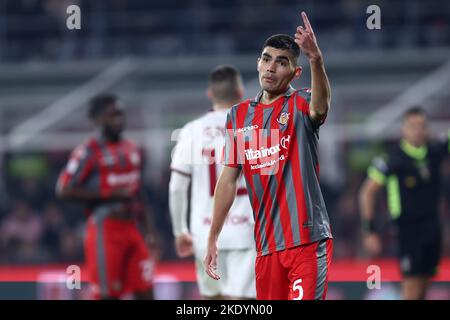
196 160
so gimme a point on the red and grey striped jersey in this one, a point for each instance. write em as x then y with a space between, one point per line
275 146
104 166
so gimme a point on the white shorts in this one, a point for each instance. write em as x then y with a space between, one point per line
236 269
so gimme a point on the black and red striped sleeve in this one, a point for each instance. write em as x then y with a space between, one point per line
303 99
79 167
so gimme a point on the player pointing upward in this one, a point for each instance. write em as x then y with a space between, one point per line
272 140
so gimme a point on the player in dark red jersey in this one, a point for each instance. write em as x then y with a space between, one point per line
105 174
272 140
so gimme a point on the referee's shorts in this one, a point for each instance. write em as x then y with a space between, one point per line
420 246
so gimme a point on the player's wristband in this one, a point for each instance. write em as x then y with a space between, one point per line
369 226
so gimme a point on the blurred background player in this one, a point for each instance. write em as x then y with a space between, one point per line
105 173
272 140
411 174
196 161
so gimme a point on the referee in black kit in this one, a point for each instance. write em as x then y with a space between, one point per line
410 173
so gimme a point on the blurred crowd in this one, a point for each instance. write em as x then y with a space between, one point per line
36 29
34 227
37 228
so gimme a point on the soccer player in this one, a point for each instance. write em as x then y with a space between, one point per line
105 173
410 173
272 140
196 160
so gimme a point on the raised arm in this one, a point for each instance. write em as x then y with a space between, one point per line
320 86
224 195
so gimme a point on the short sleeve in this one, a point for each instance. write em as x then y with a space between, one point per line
303 99
379 170
78 168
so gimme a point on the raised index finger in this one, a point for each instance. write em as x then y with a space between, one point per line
306 22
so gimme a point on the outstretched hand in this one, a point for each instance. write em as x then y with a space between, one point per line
306 40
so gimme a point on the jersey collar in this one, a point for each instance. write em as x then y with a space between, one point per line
257 98
418 153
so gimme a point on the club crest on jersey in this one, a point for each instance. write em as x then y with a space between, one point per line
283 118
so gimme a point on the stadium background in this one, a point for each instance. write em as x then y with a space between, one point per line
156 56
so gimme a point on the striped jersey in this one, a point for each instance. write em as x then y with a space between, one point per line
105 166
275 146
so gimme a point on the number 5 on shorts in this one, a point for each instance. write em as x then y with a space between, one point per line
298 287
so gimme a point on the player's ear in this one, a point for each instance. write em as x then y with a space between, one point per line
98 121
240 92
297 72
101 119
94 120
209 93
257 63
